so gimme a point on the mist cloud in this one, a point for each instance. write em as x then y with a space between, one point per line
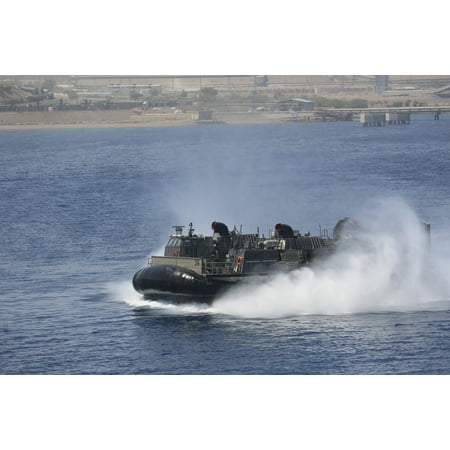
389 267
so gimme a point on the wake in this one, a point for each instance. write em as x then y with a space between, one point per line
123 291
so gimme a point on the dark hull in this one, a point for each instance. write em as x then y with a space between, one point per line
178 280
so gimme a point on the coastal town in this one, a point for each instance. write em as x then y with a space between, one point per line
49 101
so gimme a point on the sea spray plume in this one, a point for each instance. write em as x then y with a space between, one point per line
122 291
383 268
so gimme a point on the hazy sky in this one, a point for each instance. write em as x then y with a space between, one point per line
200 37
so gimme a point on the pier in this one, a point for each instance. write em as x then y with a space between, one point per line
398 118
373 119
377 117
381 119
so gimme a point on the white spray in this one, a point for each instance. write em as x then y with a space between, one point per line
389 269
123 291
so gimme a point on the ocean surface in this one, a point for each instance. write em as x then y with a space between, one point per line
82 209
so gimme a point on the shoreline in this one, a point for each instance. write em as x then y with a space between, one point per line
128 119
40 120
88 125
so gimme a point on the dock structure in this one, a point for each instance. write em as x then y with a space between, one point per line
373 119
376 117
379 119
398 118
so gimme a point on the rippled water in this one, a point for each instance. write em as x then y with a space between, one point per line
81 210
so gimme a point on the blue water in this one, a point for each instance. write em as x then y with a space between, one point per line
81 210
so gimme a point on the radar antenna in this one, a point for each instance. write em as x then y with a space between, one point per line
178 229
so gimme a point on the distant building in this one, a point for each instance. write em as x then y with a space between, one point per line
205 115
443 92
123 90
296 104
261 80
381 83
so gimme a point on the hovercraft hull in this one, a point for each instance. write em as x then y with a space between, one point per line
175 279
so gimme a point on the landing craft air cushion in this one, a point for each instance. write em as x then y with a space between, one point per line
209 265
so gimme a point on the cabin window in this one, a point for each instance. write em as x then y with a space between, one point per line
184 247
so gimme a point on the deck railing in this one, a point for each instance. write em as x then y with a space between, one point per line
218 268
198 265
